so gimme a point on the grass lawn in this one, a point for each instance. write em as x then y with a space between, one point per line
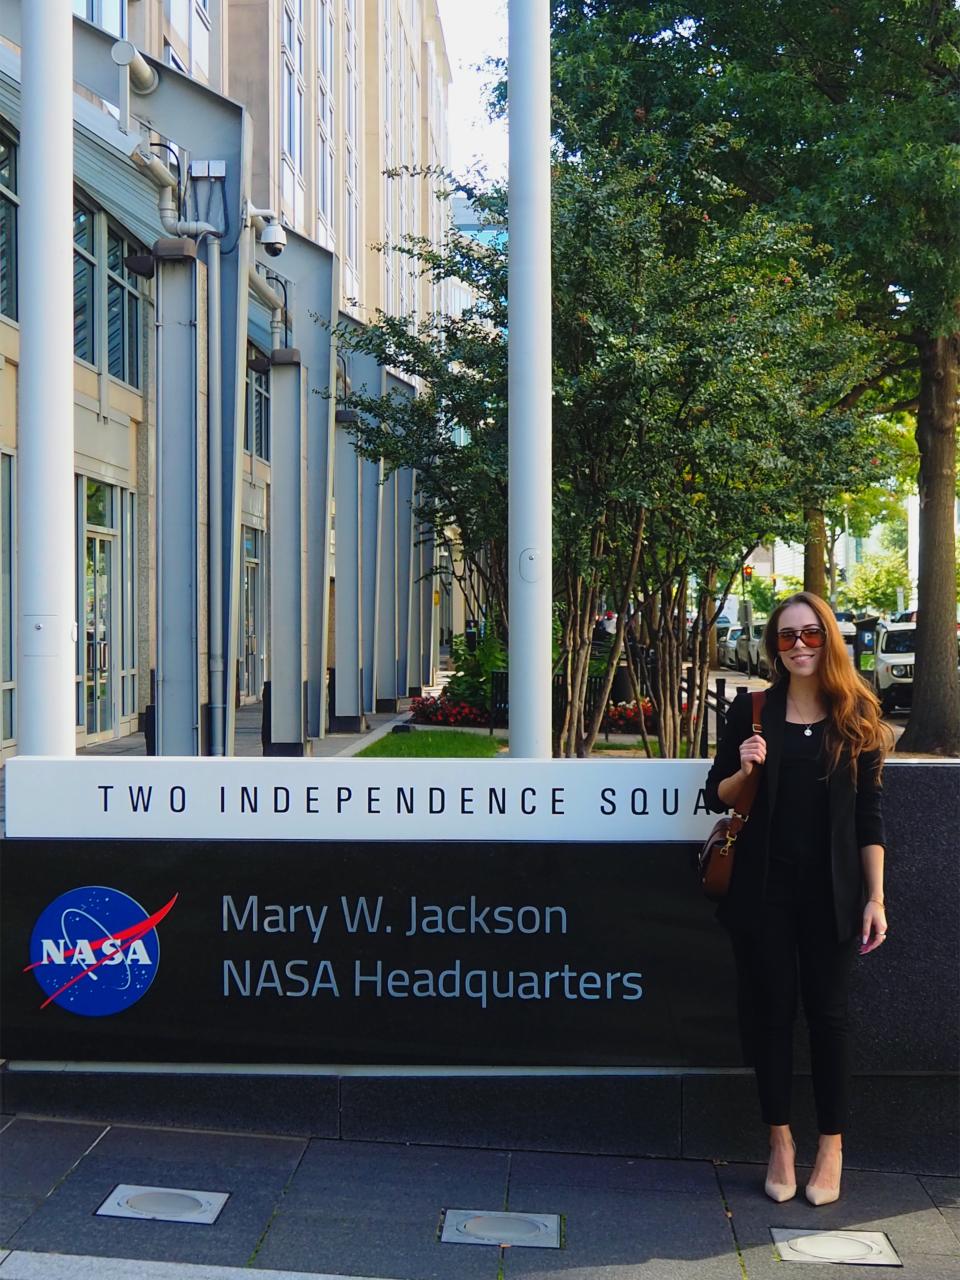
637 746
433 742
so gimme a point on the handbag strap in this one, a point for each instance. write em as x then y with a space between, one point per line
748 793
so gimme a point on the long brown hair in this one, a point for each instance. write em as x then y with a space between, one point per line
853 709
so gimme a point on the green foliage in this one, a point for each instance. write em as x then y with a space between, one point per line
470 682
875 581
763 595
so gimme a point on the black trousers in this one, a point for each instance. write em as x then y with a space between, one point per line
793 950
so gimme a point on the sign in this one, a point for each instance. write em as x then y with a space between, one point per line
347 799
473 953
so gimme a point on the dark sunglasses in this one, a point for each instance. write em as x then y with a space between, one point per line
812 637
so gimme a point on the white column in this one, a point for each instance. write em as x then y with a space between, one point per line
530 385
45 522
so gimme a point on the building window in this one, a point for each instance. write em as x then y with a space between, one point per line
84 284
8 695
8 228
256 430
112 292
109 14
123 310
325 133
292 93
351 137
190 26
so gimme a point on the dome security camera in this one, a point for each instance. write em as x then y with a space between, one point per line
274 239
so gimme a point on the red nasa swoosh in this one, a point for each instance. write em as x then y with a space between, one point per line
127 936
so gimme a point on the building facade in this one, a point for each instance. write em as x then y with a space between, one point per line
298 138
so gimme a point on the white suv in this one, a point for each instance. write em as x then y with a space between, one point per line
893 673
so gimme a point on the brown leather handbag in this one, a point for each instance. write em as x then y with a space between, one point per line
716 856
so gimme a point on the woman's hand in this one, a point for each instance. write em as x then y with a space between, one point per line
753 751
874 930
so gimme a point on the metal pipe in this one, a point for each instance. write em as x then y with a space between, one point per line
154 168
269 297
47 628
530 381
215 499
143 77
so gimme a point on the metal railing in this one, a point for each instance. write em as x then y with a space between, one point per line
718 704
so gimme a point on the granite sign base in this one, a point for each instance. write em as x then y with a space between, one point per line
899 1123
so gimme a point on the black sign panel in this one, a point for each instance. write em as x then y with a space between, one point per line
479 954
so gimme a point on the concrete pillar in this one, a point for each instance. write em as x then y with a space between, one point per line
180 585
408 617
347 712
287 552
429 610
387 685
530 382
371 501
47 626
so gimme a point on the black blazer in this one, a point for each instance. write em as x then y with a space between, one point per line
856 818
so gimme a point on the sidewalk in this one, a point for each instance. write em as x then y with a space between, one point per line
311 1208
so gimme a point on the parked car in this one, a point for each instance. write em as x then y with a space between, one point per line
848 630
727 648
748 648
893 673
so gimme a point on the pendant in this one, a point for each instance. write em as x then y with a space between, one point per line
808 732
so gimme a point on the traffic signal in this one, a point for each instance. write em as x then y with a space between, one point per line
748 571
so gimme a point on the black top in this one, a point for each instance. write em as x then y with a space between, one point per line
853 819
800 827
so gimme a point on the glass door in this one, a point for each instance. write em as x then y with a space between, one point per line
251 646
98 635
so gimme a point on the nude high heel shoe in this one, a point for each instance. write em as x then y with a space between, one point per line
824 1195
781 1191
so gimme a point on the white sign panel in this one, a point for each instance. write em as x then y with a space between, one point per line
164 798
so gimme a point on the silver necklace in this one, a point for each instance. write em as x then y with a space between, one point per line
807 728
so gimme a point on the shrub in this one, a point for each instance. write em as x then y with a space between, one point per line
470 682
451 711
625 717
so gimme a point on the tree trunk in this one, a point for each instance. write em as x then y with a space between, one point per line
934 725
814 552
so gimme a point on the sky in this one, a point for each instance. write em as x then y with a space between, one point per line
474 30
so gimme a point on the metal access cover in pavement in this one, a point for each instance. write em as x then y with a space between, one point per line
496 1227
163 1204
856 1248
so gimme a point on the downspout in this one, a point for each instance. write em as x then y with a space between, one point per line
272 300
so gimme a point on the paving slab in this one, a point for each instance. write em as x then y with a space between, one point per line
66 1223
49 1266
640 1235
612 1172
341 1173
894 1203
760 1262
944 1192
354 1206
402 1245
14 1211
36 1154
180 1147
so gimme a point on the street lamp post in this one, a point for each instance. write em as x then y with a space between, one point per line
45 508
530 380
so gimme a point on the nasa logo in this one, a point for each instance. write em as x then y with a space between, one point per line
95 951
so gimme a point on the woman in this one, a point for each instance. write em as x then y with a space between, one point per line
807 884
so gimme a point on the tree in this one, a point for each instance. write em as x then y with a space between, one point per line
875 582
697 366
846 117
